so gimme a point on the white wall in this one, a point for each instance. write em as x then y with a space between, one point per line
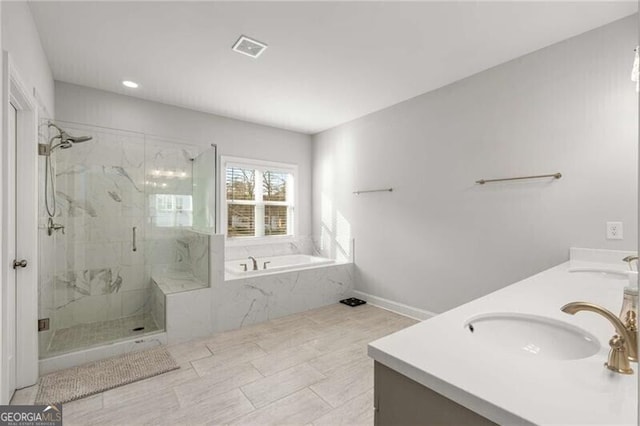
4 399
234 137
20 38
439 240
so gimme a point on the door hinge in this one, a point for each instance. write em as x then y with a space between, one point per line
44 149
43 324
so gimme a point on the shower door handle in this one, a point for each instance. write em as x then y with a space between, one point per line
134 239
19 264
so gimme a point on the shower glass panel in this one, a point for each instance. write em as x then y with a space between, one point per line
179 228
95 287
204 191
124 212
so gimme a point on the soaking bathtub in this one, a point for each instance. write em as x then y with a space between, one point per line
235 269
290 284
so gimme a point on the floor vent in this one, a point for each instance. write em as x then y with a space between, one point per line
353 302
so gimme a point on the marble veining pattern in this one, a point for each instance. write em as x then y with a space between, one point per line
89 274
239 303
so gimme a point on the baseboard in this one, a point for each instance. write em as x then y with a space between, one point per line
398 308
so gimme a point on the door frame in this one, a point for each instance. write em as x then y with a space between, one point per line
25 159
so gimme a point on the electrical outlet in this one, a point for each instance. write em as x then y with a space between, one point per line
614 231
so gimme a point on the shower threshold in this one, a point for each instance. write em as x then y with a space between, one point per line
84 336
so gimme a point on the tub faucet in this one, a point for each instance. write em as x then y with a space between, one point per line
624 344
255 262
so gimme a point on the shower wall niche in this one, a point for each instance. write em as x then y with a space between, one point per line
126 204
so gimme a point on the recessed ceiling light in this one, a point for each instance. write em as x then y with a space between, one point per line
250 47
130 84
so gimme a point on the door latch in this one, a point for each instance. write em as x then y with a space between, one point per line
19 264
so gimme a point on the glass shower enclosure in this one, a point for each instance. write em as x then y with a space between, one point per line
123 202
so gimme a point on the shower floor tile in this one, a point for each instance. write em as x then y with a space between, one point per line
84 336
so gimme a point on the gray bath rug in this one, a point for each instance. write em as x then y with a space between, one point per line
99 376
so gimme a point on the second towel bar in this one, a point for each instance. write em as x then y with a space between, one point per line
553 175
373 190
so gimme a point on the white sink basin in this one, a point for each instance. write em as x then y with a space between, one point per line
532 335
605 272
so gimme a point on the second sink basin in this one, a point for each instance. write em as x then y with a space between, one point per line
532 335
606 272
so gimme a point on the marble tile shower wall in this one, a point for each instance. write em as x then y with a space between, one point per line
105 188
187 251
100 191
195 249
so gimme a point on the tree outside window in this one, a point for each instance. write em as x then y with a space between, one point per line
259 200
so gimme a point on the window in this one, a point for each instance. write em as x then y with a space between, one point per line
172 210
259 198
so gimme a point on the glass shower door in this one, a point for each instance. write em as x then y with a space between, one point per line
94 283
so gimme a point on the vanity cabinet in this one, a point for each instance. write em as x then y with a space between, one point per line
399 400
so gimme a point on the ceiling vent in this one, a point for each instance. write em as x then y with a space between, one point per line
250 47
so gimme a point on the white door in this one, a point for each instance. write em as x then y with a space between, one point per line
19 236
9 290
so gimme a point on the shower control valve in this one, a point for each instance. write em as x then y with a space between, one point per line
54 227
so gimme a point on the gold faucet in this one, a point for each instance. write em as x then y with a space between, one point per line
630 259
629 313
624 345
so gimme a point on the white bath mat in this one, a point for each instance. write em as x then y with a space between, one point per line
99 376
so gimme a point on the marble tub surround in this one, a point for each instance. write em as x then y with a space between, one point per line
579 391
251 300
242 300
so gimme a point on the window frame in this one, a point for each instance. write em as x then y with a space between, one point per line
292 197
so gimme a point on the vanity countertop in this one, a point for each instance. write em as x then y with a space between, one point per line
507 388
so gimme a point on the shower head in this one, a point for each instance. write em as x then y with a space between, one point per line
66 137
66 140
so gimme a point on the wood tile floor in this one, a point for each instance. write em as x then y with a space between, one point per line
307 368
